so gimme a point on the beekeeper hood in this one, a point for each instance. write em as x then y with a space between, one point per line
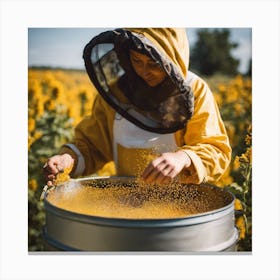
164 108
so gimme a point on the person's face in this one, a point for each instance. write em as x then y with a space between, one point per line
146 68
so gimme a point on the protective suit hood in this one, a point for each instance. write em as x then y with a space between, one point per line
172 42
164 108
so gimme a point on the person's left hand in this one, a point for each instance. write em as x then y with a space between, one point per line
166 167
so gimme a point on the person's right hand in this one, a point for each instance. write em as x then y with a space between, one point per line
55 165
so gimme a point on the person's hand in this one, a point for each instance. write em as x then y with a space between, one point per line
165 168
55 165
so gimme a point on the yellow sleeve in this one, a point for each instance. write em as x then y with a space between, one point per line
92 145
205 139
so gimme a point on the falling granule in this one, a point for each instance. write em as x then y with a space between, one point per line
137 200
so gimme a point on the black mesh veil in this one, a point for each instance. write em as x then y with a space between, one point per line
164 108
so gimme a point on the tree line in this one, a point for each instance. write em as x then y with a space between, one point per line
212 53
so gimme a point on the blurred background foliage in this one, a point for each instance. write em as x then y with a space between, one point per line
212 53
58 99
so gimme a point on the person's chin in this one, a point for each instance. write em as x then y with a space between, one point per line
151 83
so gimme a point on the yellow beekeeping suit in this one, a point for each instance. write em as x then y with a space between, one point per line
105 137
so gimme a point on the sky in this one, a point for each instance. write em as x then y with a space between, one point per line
63 47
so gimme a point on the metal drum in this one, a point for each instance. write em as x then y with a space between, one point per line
210 231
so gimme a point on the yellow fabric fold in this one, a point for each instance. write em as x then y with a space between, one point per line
205 138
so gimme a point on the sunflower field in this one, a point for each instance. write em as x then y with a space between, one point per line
59 99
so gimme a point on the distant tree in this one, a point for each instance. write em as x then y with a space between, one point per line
249 71
212 53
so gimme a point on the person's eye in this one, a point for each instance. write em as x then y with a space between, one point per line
153 65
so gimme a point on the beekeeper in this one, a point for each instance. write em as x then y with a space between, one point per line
153 117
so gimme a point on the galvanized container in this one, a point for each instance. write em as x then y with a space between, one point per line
211 231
